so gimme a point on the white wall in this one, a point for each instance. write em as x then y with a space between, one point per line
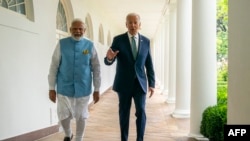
25 54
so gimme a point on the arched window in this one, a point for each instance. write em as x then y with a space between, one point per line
89 30
24 7
109 39
61 22
14 5
101 35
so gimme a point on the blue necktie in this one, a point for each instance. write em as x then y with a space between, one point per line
134 49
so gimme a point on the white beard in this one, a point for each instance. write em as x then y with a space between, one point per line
77 38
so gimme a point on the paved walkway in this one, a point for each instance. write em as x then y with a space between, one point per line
103 123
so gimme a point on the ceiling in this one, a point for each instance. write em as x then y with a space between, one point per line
150 11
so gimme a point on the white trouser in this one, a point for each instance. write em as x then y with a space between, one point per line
69 108
80 126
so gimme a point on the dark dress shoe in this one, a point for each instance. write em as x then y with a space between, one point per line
68 138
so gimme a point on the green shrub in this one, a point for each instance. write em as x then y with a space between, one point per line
213 120
204 122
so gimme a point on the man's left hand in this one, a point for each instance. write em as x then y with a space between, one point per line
151 92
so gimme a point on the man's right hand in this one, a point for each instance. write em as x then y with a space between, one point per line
111 54
52 95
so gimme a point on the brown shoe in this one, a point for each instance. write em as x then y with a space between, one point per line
68 138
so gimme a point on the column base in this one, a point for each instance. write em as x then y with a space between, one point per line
170 100
198 137
164 92
181 114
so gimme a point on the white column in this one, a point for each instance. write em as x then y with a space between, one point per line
157 57
183 59
172 54
203 68
161 54
166 55
238 63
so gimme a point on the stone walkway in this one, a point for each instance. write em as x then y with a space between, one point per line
103 123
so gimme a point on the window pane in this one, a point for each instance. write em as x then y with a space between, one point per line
21 9
12 8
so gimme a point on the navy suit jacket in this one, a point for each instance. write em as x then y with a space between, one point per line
127 69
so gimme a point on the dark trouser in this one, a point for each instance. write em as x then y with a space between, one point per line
124 112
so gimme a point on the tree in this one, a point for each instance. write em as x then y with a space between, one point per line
222 29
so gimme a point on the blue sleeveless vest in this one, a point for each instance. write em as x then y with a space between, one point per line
74 77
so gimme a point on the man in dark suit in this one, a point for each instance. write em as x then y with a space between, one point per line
134 74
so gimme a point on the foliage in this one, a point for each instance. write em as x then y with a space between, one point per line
222 15
222 78
222 72
222 29
213 121
222 45
222 95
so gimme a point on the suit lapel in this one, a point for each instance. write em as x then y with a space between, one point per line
140 43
